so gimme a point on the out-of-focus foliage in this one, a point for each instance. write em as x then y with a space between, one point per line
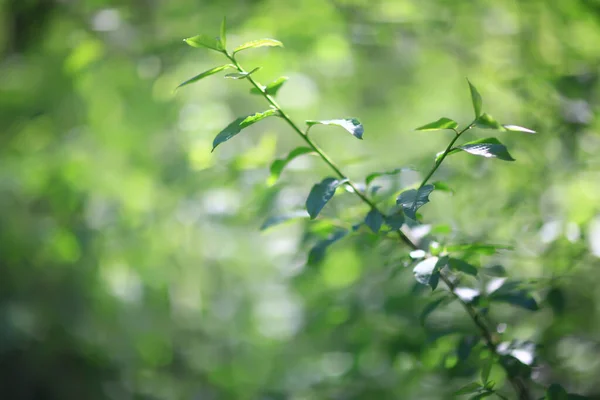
132 264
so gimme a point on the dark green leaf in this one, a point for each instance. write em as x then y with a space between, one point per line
488 147
465 346
223 37
470 388
427 272
317 253
521 298
556 392
485 370
516 128
374 220
476 97
205 74
463 266
320 194
258 43
280 219
429 308
241 75
486 121
375 175
206 41
556 299
352 125
412 200
272 88
395 221
236 126
278 165
440 124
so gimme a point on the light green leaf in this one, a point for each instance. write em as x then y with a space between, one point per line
463 266
442 187
206 41
223 37
320 194
488 147
485 370
352 125
272 88
278 165
258 43
516 128
479 248
205 74
470 388
374 220
486 121
412 200
236 126
476 98
280 219
241 75
440 124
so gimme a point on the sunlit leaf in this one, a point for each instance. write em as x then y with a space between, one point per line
374 220
317 253
488 147
516 128
442 187
412 200
476 98
440 124
463 266
272 88
427 272
241 75
352 125
486 121
280 219
258 43
470 388
320 194
278 165
223 37
205 74
205 41
236 126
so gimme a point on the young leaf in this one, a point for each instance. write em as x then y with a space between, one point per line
516 128
206 41
272 88
440 124
486 121
320 194
442 187
375 175
280 219
258 43
463 266
374 220
317 253
412 200
352 125
236 126
488 147
205 74
470 388
241 75
278 165
427 272
476 97
223 37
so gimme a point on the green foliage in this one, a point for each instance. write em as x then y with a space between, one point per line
272 88
352 125
239 124
413 199
278 165
204 74
488 147
320 194
258 43
440 124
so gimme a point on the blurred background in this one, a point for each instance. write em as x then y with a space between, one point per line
132 261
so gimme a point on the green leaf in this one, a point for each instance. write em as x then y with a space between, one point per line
488 147
320 194
352 125
442 187
486 121
205 74
412 200
375 175
278 165
470 388
206 41
516 128
463 266
258 43
465 346
272 88
481 395
486 249
476 97
485 371
280 219
241 75
556 392
223 37
429 308
427 272
236 126
317 253
374 220
511 292
395 221
440 124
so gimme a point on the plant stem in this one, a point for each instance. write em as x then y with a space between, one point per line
473 313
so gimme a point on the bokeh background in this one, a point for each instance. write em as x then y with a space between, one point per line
132 263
